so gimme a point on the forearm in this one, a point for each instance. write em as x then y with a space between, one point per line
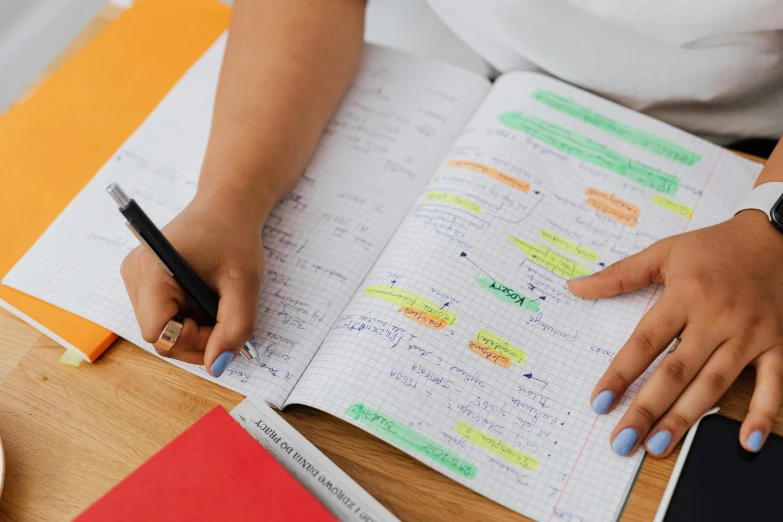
286 67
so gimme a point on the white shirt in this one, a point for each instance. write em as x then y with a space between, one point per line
711 67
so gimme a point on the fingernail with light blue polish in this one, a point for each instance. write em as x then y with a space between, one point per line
624 441
755 439
578 277
221 363
602 402
659 442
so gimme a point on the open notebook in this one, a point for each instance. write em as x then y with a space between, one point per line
415 277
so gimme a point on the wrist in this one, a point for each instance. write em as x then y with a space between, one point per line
221 192
756 224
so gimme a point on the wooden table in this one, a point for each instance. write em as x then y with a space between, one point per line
72 433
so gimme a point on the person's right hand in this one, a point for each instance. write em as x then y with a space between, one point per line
221 240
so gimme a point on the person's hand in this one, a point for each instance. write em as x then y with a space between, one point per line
221 240
723 297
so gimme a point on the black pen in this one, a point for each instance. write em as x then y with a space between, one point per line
152 238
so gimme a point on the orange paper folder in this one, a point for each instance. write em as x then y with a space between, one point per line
53 143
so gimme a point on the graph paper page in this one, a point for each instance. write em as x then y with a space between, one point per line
379 150
464 347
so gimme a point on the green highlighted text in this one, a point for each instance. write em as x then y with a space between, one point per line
590 151
398 433
640 138
509 295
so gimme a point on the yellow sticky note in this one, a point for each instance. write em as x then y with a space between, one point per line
71 358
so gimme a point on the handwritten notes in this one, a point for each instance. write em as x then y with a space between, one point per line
645 140
494 342
488 354
411 301
591 151
453 199
424 318
570 246
613 207
401 435
556 263
507 294
498 447
376 154
506 388
475 166
673 206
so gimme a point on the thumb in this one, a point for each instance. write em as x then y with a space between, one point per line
627 275
236 320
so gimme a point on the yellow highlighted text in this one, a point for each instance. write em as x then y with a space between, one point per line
498 447
408 299
503 347
570 246
453 199
678 208
556 263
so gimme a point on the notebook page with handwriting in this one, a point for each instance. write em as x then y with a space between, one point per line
378 151
464 347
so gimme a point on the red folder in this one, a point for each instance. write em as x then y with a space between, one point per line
213 471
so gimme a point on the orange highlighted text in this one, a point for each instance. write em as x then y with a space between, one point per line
515 183
488 354
422 317
612 207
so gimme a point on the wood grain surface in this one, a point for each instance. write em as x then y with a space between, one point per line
72 433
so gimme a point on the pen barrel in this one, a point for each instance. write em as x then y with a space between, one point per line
183 274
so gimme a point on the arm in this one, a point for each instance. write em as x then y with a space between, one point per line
286 67
723 297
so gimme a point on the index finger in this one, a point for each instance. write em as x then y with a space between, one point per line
626 275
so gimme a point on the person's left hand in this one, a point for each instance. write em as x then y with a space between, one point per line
723 297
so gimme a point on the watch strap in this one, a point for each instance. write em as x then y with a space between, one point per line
762 198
